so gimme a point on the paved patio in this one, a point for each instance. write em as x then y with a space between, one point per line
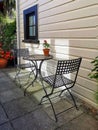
19 112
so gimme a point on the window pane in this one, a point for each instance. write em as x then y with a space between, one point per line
32 31
31 23
32 20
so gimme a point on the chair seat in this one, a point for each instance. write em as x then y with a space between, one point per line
59 81
23 66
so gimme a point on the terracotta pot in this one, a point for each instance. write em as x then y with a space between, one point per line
3 63
46 52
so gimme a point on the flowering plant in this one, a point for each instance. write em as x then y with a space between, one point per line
46 44
5 54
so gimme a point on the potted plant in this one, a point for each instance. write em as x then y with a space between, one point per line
4 57
46 49
94 74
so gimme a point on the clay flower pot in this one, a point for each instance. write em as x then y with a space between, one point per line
46 52
3 63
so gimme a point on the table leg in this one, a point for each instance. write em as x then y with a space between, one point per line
38 73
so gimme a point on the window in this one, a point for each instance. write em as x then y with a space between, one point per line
30 24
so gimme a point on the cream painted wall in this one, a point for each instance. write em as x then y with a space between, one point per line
71 27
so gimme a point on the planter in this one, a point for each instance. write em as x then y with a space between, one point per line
3 63
46 52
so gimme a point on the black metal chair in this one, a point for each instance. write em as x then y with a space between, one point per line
59 79
21 53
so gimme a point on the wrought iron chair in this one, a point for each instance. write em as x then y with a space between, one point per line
59 79
21 53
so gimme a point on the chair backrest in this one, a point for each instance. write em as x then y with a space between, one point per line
19 53
68 66
22 52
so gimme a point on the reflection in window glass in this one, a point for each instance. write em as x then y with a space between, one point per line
31 31
31 20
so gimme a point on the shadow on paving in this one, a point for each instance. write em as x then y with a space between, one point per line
19 112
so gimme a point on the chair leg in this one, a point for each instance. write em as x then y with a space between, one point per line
16 77
53 109
47 96
17 73
30 84
73 99
26 89
61 92
29 78
70 95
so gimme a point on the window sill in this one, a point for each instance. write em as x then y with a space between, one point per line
31 41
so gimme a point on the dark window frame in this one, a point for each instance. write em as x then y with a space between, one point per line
27 13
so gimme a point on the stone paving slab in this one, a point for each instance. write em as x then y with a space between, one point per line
1 74
6 85
11 94
3 117
6 126
66 116
83 122
4 75
19 107
37 120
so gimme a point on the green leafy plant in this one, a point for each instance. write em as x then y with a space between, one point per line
9 35
7 32
94 74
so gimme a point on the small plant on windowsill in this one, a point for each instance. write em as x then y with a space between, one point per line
94 74
46 49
